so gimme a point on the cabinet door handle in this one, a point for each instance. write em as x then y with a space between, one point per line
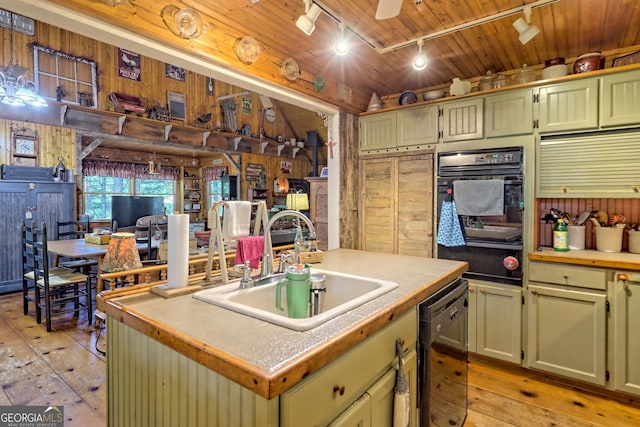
482 291
565 276
339 389
534 292
621 277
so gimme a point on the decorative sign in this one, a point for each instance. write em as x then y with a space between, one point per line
128 64
173 72
254 169
247 105
285 167
177 108
24 147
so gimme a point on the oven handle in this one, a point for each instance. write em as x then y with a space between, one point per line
493 245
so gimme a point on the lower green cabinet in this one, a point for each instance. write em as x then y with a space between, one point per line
624 292
495 320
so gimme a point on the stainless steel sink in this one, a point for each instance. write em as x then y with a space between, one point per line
496 232
344 292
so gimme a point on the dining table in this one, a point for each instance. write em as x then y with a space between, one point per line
79 248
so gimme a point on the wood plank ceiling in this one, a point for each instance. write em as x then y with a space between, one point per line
569 28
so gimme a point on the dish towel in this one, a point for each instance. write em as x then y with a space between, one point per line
236 222
449 230
250 249
479 196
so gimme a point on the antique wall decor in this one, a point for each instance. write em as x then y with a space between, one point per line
174 72
177 107
25 148
128 64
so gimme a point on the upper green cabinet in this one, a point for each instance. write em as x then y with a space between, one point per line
620 102
568 106
463 120
509 113
399 131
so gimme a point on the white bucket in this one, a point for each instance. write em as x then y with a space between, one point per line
609 239
634 242
576 237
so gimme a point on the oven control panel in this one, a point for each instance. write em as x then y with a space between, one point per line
496 158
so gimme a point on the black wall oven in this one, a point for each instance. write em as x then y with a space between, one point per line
491 201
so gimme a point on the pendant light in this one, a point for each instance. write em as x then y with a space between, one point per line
420 60
341 47
15 88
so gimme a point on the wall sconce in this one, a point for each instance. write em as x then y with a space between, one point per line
122 253
525 30
307 22
420 60
342 45
298 201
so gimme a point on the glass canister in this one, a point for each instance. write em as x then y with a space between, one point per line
486 82
525 75
500 80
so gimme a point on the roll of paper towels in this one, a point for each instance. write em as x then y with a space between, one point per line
178 251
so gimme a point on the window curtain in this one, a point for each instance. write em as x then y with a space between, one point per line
126 170
214 173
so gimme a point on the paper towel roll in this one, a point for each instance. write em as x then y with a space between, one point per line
178 251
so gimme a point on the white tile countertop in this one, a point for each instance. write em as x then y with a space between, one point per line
269 359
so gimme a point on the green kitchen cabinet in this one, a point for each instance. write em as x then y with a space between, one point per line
620 100
509 113
325 395
399 131
568 106
495 320
375 407
588 166
463 120
567 321
624 290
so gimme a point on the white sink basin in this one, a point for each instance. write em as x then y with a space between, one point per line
344 292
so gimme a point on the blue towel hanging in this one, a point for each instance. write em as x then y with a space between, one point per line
449 230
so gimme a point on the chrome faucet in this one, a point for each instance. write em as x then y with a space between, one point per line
286 257
267 261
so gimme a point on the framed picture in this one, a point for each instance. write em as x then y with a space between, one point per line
176 103
173 72
632 58
195 206
247 105
324 172
187 206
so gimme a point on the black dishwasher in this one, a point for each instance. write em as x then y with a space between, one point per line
442 369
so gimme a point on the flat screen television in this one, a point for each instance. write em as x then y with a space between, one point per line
127 209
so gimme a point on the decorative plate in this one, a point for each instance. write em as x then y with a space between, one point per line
185 23
290 69
247 50
408 97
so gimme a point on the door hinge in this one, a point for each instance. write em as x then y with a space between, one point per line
522 299
536 123
440 134
606 375
440 112
536 97
521 354
607 306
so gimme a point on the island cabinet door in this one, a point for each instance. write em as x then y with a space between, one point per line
567 332
626 339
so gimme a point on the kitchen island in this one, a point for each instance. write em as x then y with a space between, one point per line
181 361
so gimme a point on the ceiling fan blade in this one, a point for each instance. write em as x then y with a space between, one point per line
388 9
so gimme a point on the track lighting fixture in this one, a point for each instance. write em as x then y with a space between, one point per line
307 22
342 45
526 31
420 60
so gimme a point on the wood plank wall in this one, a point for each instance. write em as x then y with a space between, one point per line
629 207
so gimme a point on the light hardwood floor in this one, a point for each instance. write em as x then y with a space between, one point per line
64 368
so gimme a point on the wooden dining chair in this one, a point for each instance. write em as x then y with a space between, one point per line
56 287
74 230
28 283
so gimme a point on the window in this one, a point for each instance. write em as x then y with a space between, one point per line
64 77
215 192
98 191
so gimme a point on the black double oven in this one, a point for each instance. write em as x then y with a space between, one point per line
493 242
